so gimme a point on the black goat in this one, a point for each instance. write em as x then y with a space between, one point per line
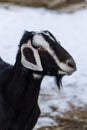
39 54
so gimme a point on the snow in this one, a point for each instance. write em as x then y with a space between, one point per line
71 31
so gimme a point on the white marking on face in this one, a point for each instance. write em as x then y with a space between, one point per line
38 39
26 63
46 33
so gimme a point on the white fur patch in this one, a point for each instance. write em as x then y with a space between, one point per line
39 40
37 76
26 63
62 72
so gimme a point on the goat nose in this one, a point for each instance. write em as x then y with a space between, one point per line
71 64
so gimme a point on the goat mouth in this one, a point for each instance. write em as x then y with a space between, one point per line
63 72
68 68
58 78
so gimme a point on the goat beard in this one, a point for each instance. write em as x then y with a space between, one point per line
58 80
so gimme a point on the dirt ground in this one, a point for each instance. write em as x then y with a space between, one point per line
75 120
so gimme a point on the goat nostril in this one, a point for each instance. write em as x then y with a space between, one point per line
71 64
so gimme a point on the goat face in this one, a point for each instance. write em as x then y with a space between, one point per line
43 54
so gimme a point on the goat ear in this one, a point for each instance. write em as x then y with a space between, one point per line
30 58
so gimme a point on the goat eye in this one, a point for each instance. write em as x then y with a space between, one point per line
36 46
39 47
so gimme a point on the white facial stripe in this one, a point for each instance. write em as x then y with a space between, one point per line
27 64
46 33
38 39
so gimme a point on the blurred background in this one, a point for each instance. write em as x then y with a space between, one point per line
50 4
64 109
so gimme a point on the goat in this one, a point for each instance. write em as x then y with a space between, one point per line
39 54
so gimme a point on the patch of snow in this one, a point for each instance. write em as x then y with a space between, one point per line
46 122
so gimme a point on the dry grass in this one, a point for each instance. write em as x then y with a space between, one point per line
72 120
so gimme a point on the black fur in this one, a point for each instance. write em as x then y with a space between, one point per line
18 97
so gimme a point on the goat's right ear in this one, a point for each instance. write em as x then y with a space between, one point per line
30 58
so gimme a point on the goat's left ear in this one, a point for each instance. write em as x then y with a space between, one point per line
30 58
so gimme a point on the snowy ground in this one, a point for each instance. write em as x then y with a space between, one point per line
71 31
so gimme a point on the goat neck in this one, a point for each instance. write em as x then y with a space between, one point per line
23 95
